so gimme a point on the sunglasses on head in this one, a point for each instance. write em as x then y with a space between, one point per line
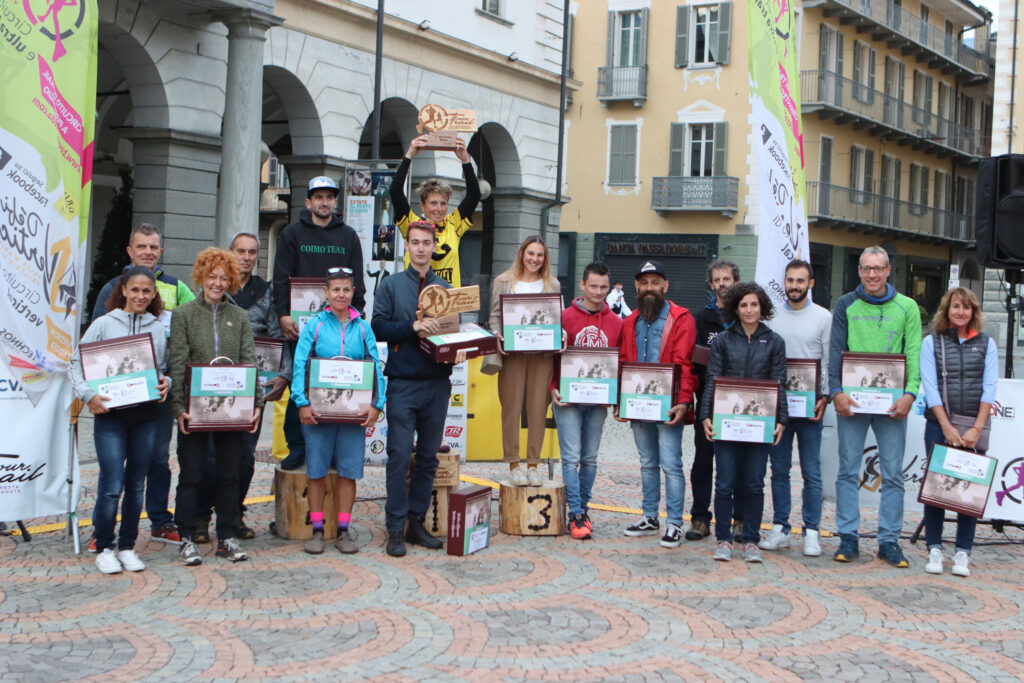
339 270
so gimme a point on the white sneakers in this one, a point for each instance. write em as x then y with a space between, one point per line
961 562
777 539
518 478
533 477
811 546
109 563
130 561
934 564
723 552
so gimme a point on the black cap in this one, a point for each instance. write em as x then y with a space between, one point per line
651 267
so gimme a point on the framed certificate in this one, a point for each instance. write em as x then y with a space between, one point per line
700 354
647 390
803 377
957 480
341 390
873 380
123 369
532 322
745 409
306 298
269 354
589 375
220 398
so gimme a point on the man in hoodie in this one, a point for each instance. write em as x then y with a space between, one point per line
659 331
307 248
589 321
873 318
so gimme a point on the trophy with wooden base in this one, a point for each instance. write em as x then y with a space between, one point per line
445 305
443 126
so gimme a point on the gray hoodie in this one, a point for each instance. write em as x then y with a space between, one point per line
118 323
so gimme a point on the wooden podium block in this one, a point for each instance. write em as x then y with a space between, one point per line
448 470
291 507
533 510
437 514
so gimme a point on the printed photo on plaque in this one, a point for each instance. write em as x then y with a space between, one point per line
647 390
341 390
958 480
123 369
745 409
802 379
469 519
589 375
220 397
873 380
532 322
269 354
306 298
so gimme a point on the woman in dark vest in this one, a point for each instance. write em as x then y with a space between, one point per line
972 366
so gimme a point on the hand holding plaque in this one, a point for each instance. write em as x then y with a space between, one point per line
443 127
448 336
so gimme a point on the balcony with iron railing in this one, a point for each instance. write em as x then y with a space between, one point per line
900 28
846 101
622 83
846 207
695 193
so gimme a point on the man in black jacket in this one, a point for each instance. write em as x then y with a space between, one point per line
418 392
307 248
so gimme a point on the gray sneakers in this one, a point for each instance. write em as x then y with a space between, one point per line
723 552
345 543
751 553
231 549
315 545
189 554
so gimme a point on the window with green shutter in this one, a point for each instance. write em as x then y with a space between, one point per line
703 34
622 155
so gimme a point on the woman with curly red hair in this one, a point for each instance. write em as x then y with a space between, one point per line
209 327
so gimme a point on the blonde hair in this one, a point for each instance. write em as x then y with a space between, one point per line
940 323
212 258
519 267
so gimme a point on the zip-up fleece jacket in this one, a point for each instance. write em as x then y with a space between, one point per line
865 324
394 311
323 337
304 249
677 341
762 356
201 332
119 323
173 292
584 327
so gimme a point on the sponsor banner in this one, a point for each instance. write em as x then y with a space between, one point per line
778 142
368 210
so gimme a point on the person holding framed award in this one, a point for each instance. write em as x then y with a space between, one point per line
748 350
125 438
959 370
207 328
336 331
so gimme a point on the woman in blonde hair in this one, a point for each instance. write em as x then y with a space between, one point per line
959 367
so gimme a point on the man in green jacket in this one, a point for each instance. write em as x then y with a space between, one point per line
873 318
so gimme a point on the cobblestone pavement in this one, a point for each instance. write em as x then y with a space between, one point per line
610 609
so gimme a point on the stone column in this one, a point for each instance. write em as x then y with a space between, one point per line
238 197
303 168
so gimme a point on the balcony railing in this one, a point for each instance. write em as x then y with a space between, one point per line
695 193
874 212
826 90
622 83
916 30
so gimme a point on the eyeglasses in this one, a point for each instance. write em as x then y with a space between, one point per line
873 269
339 270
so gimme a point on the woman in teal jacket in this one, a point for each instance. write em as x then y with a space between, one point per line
336 331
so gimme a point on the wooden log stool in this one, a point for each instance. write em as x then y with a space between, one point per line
532 510
446 480
291 507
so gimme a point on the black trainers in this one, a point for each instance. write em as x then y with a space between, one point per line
245 532
849 549
202 529
294 461
698 529
647 526
231 549
891 553
673 536
396 544
418 535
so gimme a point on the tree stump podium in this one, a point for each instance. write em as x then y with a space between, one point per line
446 480
291 507
532 510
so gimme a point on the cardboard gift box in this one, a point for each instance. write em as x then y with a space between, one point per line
441 348
469 520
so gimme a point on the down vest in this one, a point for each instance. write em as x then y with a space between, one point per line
763 356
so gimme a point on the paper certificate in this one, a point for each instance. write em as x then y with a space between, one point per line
871 402
745 409
586 392
478 538
741 429
654 408
797 405
222 381
527 339
126 391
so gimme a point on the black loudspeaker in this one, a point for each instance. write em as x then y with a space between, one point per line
999 221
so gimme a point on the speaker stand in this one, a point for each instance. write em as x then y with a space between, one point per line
1013 278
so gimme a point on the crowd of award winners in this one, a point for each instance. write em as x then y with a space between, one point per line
741 333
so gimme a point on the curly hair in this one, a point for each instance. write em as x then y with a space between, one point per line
433 186
117 299
730 311
941 323
211 258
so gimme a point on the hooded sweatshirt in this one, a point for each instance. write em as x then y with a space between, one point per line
584 327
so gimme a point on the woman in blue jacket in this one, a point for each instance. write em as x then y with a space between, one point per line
336 331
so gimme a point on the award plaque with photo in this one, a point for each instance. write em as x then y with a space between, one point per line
873 380
220 397
958 480
532 322
745 409
341 390
589 376
122 369
647 390
269 354
802 381
306 298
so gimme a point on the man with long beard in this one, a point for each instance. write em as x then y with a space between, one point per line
659 331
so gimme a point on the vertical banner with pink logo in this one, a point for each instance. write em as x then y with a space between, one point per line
47 116
778 142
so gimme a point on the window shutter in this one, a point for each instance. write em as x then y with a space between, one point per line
871 75
676 148
609 59
858 59
822 48
896 173
721 133
915 187
853 167
644 22
682 34
924 186
839 57
724 31
628 154
928 87
869 170
615 155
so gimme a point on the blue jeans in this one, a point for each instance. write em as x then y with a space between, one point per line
891 436
740 469
579 437
935 516
158 479
809 443
123 449
661 450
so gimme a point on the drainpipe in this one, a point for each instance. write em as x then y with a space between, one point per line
557 201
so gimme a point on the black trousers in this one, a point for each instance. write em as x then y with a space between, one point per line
192 452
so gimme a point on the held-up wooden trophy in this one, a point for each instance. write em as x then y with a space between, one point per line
443 126
445 305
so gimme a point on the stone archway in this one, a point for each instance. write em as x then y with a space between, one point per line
397 129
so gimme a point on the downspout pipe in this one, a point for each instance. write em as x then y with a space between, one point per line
557 201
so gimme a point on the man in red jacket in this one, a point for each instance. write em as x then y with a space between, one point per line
589 321
659 331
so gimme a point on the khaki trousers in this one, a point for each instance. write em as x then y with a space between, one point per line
524 379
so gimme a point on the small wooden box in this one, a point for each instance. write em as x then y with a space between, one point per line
469 520
448 469
291 507
532 510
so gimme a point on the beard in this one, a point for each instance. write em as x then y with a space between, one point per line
796 295
649 304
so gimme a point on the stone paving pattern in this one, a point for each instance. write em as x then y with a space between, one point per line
610 609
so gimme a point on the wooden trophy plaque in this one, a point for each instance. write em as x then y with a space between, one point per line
445 305
443 126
